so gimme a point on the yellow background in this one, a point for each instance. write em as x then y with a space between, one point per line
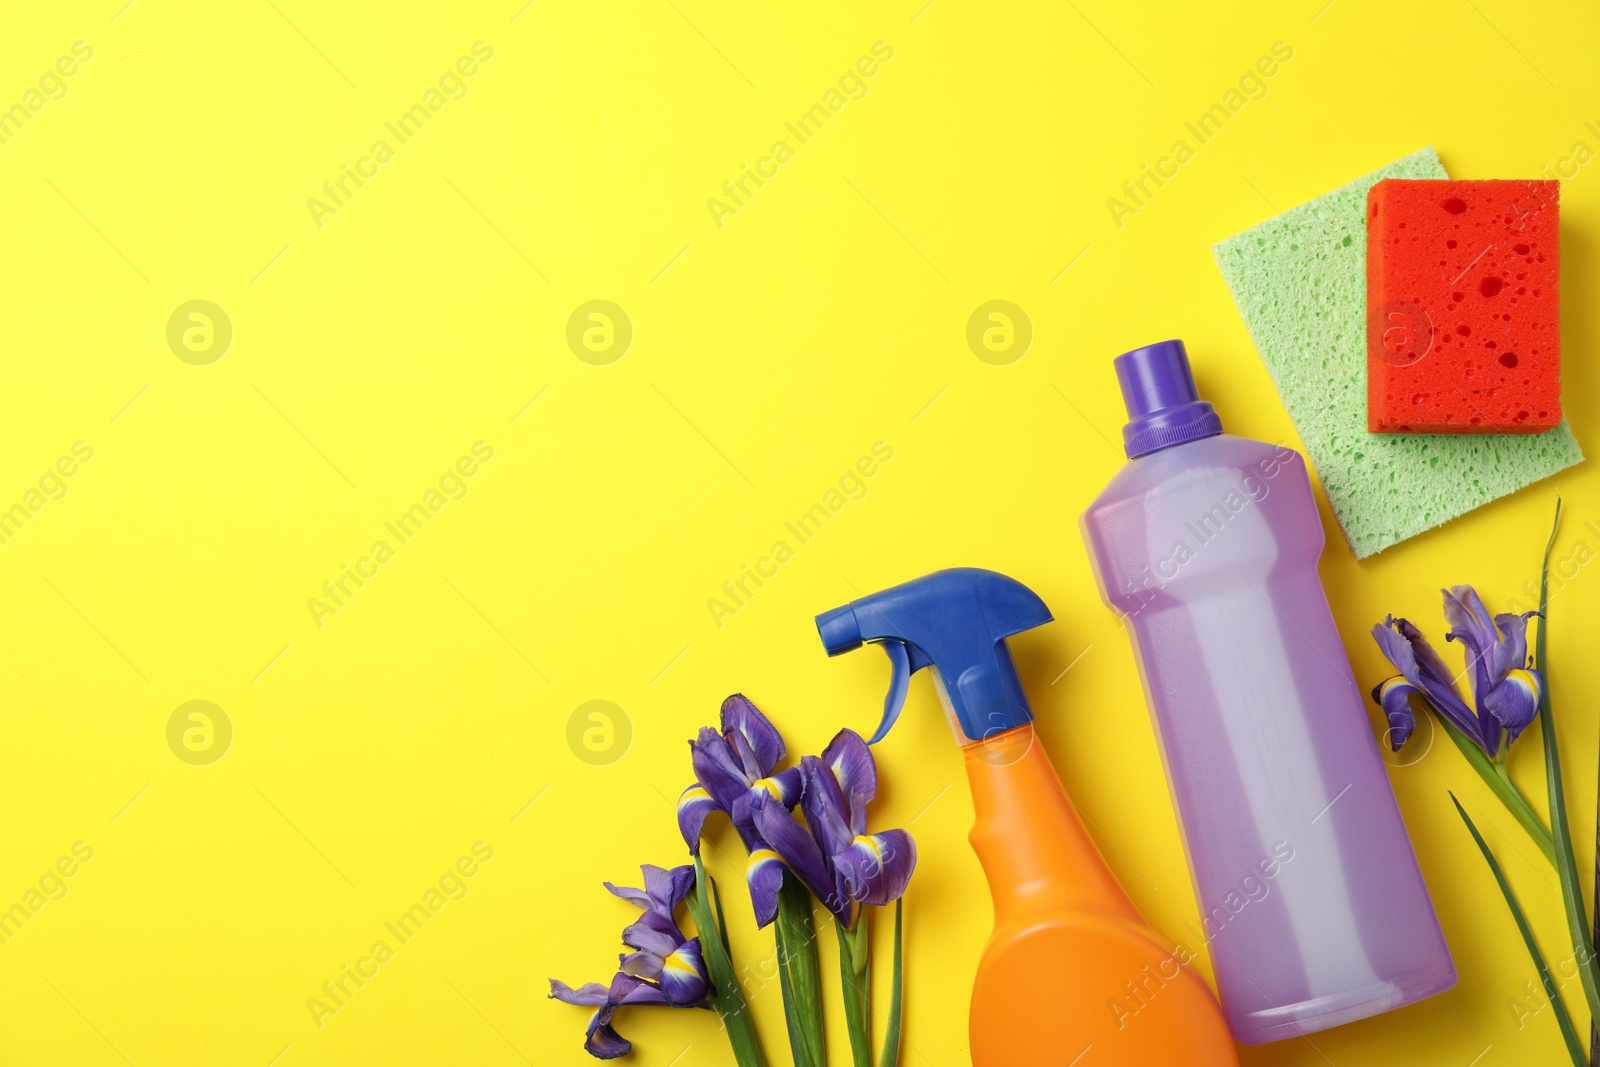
829 313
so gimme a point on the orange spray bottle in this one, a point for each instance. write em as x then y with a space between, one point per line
1072 975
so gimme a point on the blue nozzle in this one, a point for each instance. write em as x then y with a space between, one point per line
956 620
839 629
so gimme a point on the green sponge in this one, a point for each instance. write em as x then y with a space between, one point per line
1300 282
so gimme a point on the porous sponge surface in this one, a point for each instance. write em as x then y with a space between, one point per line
1463 313
1300 283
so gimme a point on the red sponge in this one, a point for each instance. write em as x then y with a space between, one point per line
1463 311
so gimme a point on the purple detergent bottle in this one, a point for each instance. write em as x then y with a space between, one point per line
1312 905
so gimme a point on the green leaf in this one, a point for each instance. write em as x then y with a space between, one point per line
857 988
1566 862
730 1002
890 1056
1562 1018
800 974
1493 776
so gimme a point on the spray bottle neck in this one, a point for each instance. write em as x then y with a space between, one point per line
1036 854
953 718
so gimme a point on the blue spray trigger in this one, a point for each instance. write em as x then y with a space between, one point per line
899 684
956 620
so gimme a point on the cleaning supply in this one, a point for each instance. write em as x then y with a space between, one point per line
1072 971
1207 545
1463 309
1299 281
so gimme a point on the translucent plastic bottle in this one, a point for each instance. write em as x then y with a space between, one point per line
1313 908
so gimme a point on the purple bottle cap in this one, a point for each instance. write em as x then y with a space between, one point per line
1164 407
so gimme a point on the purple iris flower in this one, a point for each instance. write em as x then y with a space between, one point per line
833 854
660 951
1506 691
734 769
602 1040
665 967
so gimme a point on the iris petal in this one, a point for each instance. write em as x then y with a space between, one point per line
603 1042
851 761
588 995
1482 684
682 884
1394 694
824 804
667 888
646 937
626 990
1465 612
784 787
801 853
683 976
764 873
1420 665
739 744
694 807
740 716
1429 662
744 815
641 965
601 1039
664 924
878 866
657 888
1515 701
632 896
1397 649
716 769
1511 652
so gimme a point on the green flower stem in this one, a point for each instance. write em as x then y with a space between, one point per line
1498 779
722 920
800 974
1523 810
890 1056
857 986
730 1002
1566 862
1570 1035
